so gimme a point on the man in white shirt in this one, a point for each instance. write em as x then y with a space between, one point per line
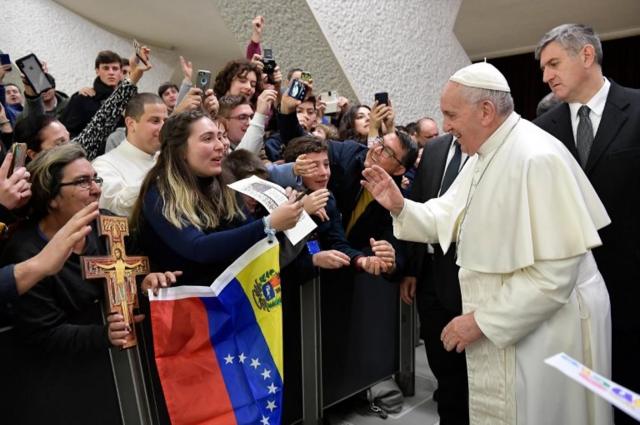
525 219
123 169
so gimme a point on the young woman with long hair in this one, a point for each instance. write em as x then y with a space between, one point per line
185 216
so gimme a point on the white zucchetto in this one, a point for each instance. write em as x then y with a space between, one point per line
481 75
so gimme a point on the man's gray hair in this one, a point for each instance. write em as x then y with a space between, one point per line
502 100
572 37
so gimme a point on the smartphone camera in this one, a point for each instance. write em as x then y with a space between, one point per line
269 64
297 90
306 77
382 98
5 60
203 80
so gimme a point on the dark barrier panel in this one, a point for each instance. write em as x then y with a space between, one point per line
359 323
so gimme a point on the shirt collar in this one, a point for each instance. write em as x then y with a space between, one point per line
135 152
596 103
498 137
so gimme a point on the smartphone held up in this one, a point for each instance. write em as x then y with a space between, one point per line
203 80
33 71
140 55
382 98
19 152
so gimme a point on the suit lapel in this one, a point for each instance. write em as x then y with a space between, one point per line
563 131
613 118
437 166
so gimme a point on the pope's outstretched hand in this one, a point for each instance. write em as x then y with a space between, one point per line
383 189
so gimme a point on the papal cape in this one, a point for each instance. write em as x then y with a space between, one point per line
525 218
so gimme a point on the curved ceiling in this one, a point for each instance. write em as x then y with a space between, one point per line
493 28
192 28
486 28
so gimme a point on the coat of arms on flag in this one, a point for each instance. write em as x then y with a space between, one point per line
218 349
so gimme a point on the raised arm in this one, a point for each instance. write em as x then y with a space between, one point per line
94 135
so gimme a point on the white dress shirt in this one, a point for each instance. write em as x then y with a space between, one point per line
596 107
123 170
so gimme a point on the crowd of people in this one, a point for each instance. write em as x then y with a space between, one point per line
509 232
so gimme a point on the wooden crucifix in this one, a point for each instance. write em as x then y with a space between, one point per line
119 270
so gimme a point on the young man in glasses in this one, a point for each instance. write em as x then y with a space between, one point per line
245 129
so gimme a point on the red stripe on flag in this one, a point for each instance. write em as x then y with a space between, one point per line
192 383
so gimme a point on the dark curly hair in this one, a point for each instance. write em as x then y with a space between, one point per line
233 69
347 129
30 130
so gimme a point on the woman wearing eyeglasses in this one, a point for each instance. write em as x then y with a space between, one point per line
62 367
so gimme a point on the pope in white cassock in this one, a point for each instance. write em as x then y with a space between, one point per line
525 219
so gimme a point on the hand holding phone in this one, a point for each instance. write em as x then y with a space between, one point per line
5 61
32 69
306 77
203 80
382 98
139 53
297 90
330 98
19 152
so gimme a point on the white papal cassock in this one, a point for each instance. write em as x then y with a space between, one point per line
525 218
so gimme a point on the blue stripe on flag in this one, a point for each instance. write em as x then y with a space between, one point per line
250 374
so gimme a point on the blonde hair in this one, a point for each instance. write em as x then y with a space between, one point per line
188 200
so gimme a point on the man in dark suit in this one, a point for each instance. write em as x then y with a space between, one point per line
359 323
599 122
432 278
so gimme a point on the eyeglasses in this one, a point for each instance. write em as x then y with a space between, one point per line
84 182
387 152
243 117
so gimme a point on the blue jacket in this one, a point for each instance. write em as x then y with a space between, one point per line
347 163
201 255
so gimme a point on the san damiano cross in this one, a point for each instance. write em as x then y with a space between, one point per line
119 270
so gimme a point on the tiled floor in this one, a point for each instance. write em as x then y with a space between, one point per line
417 410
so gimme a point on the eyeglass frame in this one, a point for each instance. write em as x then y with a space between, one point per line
388 152
242 117
84 182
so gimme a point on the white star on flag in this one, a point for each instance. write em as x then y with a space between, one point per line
271 405
264 420
255 363
266 374
228 359
242 358
272 388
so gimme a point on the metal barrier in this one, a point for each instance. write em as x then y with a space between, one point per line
316 394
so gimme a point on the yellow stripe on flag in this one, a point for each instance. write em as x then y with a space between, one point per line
265 270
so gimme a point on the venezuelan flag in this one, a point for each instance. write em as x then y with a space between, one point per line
219 348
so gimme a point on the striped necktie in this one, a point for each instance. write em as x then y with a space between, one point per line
584 135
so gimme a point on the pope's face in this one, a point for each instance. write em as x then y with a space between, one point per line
462 118
564 72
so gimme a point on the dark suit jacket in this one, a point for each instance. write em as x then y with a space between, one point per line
346 159
443 280
613 167
347 163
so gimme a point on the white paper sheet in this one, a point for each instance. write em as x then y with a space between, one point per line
619 396
270 195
